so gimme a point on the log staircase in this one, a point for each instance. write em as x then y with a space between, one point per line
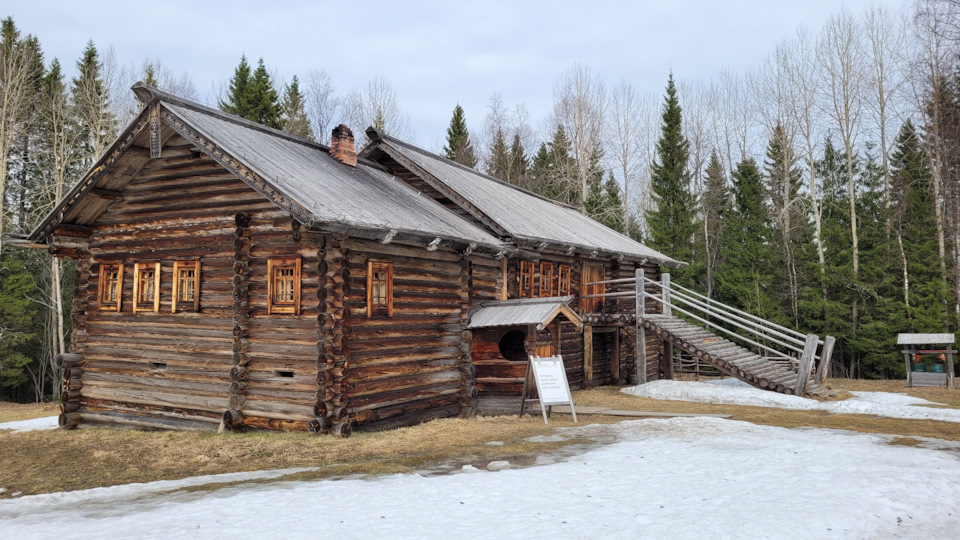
761 353
778 375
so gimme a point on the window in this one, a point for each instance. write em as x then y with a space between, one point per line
146 287
111 286
592 273
526 279
563 280
379 288
546 279
186 286
283 286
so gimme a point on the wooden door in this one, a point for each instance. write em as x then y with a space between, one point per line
592 273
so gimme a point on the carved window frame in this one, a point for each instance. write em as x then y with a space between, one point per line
546 279
110 286
525 277
379 278
185 304
563 280
152 283
280 271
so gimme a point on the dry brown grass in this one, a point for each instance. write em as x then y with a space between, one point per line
12 412
48 461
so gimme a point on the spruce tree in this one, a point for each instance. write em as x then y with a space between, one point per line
882 311
295 121
831 315
519 164
927 293
745 279
92 101
238 98
672 222
553 172
499 163
459 148
253 96
265 104
150 76
715 202
604 203
788 219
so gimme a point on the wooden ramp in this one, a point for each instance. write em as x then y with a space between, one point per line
728 357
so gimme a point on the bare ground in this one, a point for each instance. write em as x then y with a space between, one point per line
56 460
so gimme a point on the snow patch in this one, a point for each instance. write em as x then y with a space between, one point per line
47 422
753 481
719 392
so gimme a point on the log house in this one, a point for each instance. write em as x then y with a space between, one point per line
233 276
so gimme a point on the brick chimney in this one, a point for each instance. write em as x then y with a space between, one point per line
341 145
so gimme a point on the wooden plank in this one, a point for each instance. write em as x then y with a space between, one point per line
587 355
825 356
806 363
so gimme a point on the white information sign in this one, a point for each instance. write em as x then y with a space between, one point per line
551 381
550 378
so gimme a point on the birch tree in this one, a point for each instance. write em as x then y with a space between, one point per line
579 105
377 105
17 73
624 140
841 59
322 103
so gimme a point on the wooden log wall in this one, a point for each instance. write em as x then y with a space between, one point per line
71 372
239 373
333 381
497 375
468 372
175 370
282 373
408 367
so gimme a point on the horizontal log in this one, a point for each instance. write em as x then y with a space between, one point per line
343 429
273 424
412 382
319 425
403 396
126 420
156 398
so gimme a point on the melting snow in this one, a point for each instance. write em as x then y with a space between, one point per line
677 478
662 478
740 393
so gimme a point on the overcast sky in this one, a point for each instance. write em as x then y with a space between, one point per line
434 54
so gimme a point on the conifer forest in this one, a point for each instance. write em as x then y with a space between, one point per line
819 190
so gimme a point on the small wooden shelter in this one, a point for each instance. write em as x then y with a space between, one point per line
231 274
928 359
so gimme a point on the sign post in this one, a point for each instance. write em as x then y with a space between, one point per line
552 387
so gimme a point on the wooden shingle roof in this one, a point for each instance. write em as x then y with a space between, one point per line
522 312
525 216
299 175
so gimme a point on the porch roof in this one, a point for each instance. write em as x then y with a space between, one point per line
523 311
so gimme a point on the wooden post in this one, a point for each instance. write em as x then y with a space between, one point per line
641 333
587 356
667 360
951 383
906 363
615 357
824 368
665 280
806 363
